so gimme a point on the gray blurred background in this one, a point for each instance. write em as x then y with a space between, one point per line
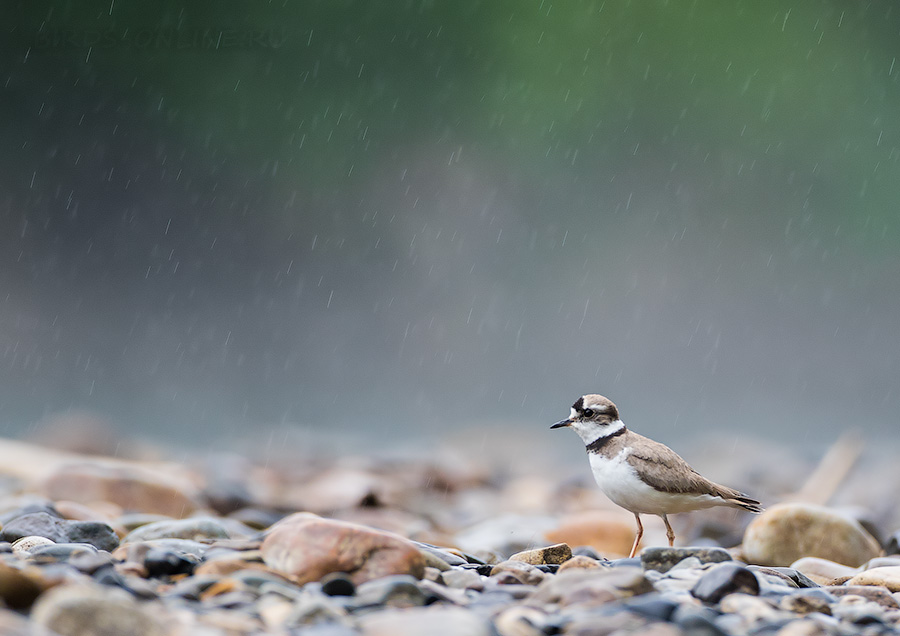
222 218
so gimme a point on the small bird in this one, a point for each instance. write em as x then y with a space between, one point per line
640 475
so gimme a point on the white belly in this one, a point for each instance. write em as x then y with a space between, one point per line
619 481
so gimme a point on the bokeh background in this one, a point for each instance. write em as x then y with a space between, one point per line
403 220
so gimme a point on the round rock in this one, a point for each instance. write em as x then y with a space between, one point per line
309 547
888 577
786 532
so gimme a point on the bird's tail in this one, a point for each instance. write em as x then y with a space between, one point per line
739 500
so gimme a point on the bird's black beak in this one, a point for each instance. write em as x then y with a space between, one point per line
562 423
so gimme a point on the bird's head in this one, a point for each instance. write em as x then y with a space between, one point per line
592 416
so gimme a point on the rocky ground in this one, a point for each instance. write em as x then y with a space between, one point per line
452 542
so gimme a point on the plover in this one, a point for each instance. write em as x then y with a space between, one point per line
640 475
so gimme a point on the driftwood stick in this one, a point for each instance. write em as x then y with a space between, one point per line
833 468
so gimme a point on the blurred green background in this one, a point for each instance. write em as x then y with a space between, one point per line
416 217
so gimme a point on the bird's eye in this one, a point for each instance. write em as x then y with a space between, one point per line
588 412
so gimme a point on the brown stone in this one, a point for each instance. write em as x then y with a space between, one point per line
580 562
608 532
131 486
550 555
224 567
17 589
888 576
786 532
309 547
517 572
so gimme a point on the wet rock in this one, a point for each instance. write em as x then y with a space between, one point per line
608 532
309 547
553 554
434 621
787 532
131 486
723 579
91 610
888 576
60 530
822 571
193 529
664 559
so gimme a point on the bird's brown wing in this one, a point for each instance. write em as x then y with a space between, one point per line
661 468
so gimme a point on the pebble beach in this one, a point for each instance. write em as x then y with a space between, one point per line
449 542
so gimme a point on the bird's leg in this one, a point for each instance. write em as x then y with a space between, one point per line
637 538
670 534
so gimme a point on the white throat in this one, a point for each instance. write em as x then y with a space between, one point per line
590 431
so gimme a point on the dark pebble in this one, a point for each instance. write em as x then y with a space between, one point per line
338 584
723 579
653 606
28 509
162 562
664 559
549 568
696 621
44 524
